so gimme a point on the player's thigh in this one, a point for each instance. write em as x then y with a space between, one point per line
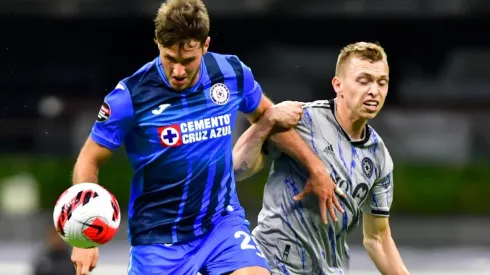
232 250
159 259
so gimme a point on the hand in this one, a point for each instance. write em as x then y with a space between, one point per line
84 260
285 114
322 185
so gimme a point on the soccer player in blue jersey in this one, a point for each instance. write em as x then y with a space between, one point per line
175 116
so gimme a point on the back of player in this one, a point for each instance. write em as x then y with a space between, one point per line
290 233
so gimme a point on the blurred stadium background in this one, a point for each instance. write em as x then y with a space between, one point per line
60 57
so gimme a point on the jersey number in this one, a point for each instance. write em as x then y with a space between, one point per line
246 242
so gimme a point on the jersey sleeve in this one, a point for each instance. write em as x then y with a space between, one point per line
115 119
252 92
308 128
380 197
304 128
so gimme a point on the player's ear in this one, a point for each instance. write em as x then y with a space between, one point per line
206 45
337 85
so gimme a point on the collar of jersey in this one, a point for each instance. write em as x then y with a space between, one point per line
192 89
366 132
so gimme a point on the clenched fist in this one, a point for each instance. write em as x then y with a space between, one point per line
285 114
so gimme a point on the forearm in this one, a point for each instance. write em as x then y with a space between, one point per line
291 143
85 171
385 255
91 158
247 153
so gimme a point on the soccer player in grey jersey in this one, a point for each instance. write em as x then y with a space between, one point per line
290 231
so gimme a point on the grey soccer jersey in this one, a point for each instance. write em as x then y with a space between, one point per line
291 234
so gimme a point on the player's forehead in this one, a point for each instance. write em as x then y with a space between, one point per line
188 49
357 67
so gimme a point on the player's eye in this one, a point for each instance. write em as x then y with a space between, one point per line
383 82
171 59
363 81
187 61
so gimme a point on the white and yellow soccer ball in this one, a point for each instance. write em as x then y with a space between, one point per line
86 215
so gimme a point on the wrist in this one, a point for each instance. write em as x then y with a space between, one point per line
316 167
269 117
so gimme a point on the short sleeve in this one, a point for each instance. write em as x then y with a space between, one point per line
304 128
252 92
308 127
380 198
115 118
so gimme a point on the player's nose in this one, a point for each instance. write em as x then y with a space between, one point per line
375 90
179 70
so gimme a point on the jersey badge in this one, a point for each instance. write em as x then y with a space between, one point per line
219 93
104 112
367 167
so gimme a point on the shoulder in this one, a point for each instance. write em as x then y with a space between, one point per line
226 65
320 109
222 59
375 139
322 104
379 149
146 84
145 75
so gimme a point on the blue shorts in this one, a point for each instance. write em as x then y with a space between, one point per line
225 248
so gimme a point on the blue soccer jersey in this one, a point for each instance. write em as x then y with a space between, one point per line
179 145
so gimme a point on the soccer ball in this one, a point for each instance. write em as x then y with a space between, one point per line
86 215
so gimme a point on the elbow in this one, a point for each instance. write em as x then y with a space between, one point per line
375 243
372 244
240 174
244 169
239 164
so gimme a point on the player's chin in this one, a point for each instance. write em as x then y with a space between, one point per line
369 114
179 87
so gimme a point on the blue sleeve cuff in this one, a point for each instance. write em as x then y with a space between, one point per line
103 142
255 102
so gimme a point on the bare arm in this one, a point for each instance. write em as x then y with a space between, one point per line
247 153
114 120
90 159
319 181
289 142
248 158
380 245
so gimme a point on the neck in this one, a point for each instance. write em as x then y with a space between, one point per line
351 124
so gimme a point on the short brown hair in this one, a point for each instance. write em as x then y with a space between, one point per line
179 21
364 50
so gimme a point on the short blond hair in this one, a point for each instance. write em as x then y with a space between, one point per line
364 50
179 21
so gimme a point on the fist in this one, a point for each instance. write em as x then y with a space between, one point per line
285 114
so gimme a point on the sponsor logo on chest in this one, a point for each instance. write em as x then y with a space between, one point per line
195 131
